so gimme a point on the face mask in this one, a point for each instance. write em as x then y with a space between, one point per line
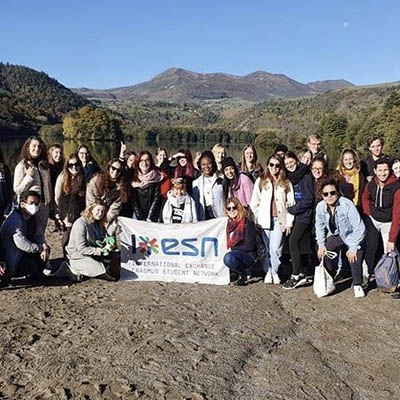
32 209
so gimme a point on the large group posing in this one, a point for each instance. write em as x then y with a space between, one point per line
302 207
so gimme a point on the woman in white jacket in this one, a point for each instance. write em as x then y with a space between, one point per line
272 195
179 207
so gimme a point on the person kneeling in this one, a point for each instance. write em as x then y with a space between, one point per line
22 240
240 235
90 245
339 227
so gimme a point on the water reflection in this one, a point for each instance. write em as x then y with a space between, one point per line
104 151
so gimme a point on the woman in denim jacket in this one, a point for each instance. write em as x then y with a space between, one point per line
339 227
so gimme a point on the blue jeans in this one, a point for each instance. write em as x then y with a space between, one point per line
238 261
273 247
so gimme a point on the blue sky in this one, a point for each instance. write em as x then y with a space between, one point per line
103 44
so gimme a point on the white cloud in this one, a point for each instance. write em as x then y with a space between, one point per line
346 24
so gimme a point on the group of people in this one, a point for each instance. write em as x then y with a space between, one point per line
301 207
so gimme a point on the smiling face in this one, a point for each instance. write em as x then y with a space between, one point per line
219 154
206 166
35 148
290 164
145 163
182 161
274 167
231 210
330 194
376 148
348 160
161 156
317 169
130 161
98 212
396 169
56 155
83 155
249 155
178 191
382 172
73 166
115 170
229 172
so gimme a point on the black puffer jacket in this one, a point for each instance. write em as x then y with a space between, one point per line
146 202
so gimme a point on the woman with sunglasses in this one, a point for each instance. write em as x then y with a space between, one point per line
145 190
272 195
108 186
240 236
300 239
70 195
235 183
339 227
208 192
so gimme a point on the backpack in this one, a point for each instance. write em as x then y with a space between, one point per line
387 272
260 245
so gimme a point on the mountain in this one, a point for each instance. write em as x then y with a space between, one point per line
326 86
29 99
179 85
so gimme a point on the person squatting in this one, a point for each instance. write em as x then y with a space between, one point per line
301 208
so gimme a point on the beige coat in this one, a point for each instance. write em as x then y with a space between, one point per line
24 182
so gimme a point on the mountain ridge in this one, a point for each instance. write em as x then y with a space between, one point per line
181 85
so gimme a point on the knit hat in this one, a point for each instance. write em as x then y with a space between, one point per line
228 162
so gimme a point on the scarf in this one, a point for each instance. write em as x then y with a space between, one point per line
352 176
298 174
188 210
145 180
235 232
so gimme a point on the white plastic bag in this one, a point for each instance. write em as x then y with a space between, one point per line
323 282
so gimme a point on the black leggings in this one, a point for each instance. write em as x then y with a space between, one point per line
295 247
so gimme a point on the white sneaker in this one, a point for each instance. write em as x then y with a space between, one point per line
275 278
268 278
358 291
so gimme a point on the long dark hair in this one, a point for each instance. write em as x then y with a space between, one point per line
25 154
73 184
188 170
232 184
105 184
136 170
267 177
209 154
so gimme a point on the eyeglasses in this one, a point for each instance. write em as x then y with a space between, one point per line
272 165
331 193
73 165
232 208
146 160
115 169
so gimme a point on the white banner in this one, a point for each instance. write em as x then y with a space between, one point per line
174 252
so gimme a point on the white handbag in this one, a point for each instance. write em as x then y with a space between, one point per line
323 282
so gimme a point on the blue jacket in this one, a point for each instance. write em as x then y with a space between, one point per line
349 224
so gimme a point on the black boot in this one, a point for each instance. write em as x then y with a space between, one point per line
242 280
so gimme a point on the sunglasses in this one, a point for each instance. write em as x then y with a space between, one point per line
234 208
115 169
272 165
331 193
73 165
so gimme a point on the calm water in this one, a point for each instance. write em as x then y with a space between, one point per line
103 152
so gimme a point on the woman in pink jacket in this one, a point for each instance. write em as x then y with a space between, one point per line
235 183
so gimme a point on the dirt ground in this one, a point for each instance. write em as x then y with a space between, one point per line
146 340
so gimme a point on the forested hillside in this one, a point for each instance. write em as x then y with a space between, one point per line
30 99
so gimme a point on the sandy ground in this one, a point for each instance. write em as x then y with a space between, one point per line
146 340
